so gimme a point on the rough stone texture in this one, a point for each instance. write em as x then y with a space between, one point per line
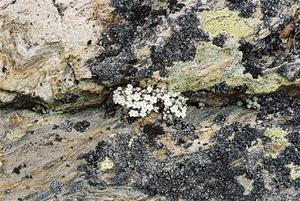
44 48
63 138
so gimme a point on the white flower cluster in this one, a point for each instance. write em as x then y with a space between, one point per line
252 103
141 102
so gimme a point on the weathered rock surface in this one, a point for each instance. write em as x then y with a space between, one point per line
44 48
63 138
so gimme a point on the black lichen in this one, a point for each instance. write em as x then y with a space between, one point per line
245 7
180 46
68 98
133 10
153 131
221 88
55 187
278 103
66 126
219 40
82 126
200 176
118 62
174 6
17 169
220 118
251 60
111 70
269 7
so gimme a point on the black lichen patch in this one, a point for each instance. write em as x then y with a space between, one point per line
184 133
55 187
66 126
270 52
219 40
294 137
60 7
208 175
17 169
278 103
279 165
126 153
117 59
152 132
251 60
221 88
133 10
57 138
68 98
174 6
270 8
111 70
180 46
203 175
245 7
82 126
220 118
119 62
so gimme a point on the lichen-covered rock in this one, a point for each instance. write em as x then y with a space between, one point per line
62 137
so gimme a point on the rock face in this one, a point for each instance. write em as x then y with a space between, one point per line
63 138
44 48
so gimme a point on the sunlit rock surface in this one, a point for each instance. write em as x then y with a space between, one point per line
63 138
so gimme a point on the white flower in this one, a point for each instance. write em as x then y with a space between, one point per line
147 97
133 113
129 86
141 102
149 89
136 96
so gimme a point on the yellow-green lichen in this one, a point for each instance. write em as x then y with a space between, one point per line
225 20
106 164
192 82
295 170
213 65
206 69
183 82
262 85
208 54
278 141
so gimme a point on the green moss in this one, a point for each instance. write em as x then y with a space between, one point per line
225 20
